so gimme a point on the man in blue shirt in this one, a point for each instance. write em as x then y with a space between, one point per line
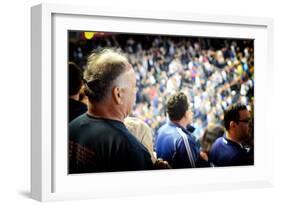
229 149
174 143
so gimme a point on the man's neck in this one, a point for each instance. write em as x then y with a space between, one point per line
102 110
232 138
180 122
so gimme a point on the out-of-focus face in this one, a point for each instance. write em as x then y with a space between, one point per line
243 126
189 116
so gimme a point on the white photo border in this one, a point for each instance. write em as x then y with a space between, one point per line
49 176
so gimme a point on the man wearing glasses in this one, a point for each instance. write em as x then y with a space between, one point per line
229 149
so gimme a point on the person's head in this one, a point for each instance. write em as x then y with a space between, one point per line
110 78
75 79
178 109
211 133
237 121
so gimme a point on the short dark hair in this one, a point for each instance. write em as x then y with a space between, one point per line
232 114
103 67
177 106
75 78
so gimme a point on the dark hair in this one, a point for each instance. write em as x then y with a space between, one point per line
211 133
103 68
232 114
177 106
75 78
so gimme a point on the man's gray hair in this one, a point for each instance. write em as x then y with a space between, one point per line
103 68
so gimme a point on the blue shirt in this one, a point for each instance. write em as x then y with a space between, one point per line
170 146
225 152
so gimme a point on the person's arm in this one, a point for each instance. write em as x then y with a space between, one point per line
180 158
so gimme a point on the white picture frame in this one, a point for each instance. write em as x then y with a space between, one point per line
49 178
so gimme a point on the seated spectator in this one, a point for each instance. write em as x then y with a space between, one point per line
211 133
75 82
229 150
174 143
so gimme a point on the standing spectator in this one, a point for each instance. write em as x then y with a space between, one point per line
98 140
142 132
229 150
214 73
75 83
174 143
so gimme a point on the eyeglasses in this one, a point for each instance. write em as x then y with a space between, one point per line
248 121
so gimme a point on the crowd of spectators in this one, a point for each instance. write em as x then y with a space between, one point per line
214 73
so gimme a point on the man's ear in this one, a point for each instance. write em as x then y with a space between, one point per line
186 114
232 124
116 92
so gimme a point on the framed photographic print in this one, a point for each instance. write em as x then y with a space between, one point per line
215 61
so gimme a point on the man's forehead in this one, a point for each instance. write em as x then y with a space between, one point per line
244 113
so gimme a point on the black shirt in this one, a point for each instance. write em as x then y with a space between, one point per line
103 145
75 109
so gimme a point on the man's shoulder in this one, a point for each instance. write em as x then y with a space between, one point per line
166 128
90 127
83 121
218 146
228 145
224 147
77 121
219 141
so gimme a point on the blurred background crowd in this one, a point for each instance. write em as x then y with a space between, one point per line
213 72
